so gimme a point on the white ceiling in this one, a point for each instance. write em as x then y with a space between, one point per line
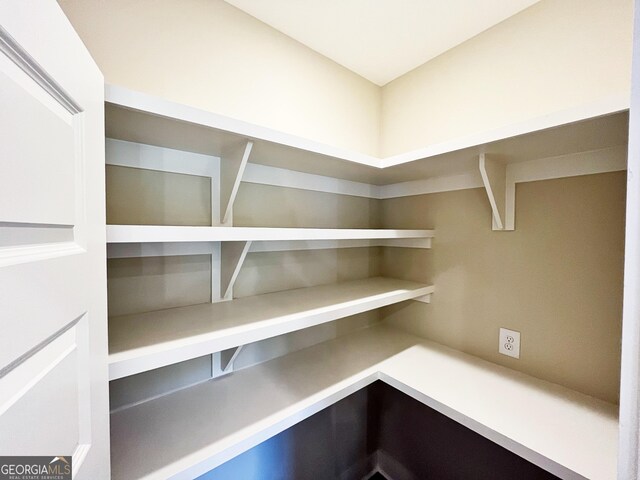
381 39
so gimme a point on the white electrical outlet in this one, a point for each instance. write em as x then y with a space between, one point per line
509 343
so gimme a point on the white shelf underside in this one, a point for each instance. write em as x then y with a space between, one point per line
187 433
150 340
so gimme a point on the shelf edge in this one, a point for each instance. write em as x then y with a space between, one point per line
142 359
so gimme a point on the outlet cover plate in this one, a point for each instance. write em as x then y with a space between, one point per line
509 343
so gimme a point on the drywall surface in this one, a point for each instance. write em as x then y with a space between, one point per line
557 278
148 197
145 284
554 56
210 55
268 272
264 205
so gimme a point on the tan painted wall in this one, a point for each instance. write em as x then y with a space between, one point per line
210 55
260 205
557 278
148 197
553 56
137 285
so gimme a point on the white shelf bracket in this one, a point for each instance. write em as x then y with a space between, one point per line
232 258
500 191
424 298
232 166
222 362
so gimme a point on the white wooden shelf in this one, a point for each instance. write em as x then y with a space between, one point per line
184 434
150 340
553 146
157 234
137 117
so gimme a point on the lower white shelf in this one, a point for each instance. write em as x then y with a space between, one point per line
142 342
187 433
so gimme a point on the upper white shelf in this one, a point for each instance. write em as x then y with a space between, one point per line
137 117
150 340
154 233
572 435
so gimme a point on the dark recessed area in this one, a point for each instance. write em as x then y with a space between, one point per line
378 476
382 429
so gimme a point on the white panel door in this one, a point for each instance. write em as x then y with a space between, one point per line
53 327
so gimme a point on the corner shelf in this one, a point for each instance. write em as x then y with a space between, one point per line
150 340
137 117
509 408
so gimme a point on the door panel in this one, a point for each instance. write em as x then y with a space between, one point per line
28 112
55 380
41 304
53 327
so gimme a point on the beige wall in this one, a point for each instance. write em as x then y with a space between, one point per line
553 56
210 55
149 197
259 205
557 278
137 285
